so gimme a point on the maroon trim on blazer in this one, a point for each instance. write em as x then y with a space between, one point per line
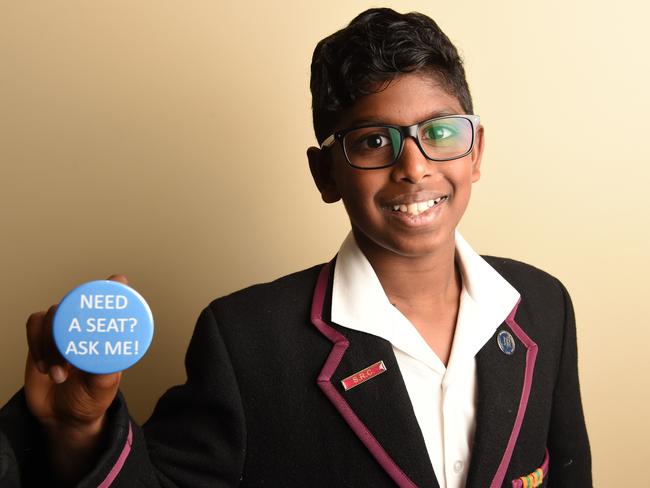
531 355
324 383
115 470
544 467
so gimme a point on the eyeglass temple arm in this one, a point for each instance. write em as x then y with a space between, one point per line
328 142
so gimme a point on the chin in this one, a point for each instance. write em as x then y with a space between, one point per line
415 251
419 246
404 244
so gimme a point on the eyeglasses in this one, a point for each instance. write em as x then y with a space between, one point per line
380 145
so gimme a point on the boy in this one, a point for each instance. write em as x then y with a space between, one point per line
408 360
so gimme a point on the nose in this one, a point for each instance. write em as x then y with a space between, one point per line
412 166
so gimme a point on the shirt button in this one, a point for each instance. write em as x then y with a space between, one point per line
458 466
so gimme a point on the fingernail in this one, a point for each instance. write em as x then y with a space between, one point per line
40 365
57 374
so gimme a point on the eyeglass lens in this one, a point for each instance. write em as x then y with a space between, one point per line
440 139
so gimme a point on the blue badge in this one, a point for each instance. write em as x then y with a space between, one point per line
506 342
103 327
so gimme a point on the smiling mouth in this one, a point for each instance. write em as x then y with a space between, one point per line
416 208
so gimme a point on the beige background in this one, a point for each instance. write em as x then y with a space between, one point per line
166 140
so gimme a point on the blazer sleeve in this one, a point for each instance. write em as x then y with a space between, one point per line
196 435
568 443
8 465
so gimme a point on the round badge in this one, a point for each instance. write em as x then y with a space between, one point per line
506 342
103 327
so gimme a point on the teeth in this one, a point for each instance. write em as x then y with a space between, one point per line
417 208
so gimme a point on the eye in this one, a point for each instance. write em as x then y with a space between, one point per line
369 147
373 141
439 132
370 139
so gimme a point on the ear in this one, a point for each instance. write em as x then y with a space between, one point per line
477 153
320 165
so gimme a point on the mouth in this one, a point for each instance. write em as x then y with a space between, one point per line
416 208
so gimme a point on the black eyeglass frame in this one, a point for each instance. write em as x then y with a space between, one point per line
405 131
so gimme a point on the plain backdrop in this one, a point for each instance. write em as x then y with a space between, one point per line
166 140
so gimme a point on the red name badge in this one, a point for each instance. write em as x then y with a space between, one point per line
364 375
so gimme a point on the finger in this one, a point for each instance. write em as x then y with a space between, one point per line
120 278
54 361
91 391
39 381
50 353
42 354
59 372
37 388
35 339
100 384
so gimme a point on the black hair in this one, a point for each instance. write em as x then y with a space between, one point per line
376 47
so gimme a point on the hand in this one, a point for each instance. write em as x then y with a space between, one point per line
70 404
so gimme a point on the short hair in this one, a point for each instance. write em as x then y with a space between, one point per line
376 47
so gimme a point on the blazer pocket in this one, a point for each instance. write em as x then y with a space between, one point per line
536 479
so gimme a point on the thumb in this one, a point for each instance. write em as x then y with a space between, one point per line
120 278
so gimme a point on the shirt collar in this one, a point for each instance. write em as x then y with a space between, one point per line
359 302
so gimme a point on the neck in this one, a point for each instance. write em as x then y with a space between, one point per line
432 280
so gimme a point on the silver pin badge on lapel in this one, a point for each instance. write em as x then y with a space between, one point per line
506 342
364 375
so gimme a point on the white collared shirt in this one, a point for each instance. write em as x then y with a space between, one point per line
443 398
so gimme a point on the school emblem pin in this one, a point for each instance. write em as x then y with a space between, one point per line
506 342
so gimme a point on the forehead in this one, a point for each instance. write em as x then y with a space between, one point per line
406 100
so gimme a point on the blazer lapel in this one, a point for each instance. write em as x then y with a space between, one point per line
378 408
504 382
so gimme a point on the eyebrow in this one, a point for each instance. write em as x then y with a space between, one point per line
375 120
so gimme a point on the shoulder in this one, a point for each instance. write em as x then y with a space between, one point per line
266 326
284 302
545 303
284 292
530 281
545 310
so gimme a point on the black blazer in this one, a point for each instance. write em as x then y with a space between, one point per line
263 405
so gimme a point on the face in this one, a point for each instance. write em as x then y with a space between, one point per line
434 194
